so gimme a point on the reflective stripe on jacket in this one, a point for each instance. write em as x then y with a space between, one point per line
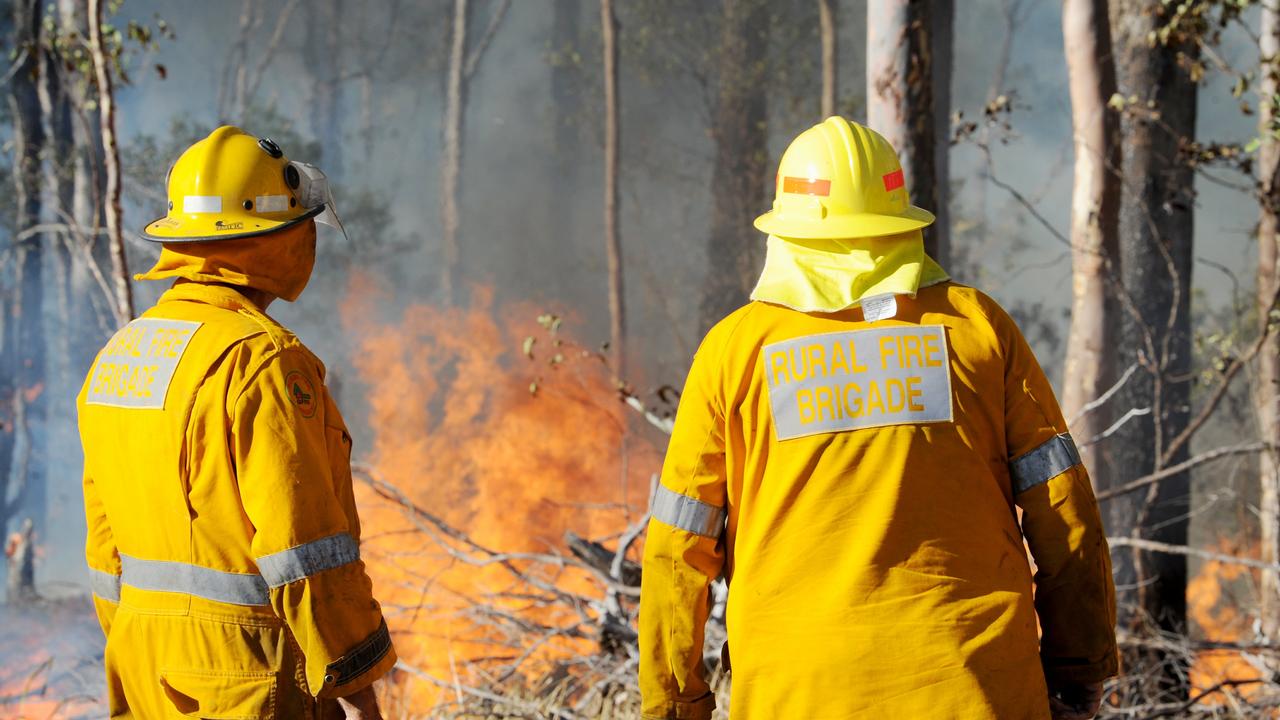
223 539
858 485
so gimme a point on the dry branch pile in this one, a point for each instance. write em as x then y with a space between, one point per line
524 671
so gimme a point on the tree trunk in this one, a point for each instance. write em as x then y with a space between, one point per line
111 152
612 242
1094 335
740 171
944 12
22 355
900 99
569 38
92 307
451 163
828 29
1268 387
1156 221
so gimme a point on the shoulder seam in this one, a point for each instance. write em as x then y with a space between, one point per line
279 334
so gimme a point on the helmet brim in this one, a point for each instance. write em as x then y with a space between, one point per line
844 226
180 229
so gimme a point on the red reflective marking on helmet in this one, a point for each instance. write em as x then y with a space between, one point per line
801 186
893 181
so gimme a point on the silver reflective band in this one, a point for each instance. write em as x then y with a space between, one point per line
1043 464
686 513
308 559
104 585
202 582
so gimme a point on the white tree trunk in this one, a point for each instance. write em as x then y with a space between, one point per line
1090 366
111 152
900 98
1268 389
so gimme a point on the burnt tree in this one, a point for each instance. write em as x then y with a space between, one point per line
740 171
22 341
1155 232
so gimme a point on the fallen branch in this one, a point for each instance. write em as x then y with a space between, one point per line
457 687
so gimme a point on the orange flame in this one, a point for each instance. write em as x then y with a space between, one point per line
459 427
1216 602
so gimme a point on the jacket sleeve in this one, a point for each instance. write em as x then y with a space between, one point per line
293 467
683 553
102 557
1074 590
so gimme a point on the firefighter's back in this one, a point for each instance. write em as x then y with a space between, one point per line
873 538
194 618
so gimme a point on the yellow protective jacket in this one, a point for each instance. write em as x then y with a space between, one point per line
223 540
857 484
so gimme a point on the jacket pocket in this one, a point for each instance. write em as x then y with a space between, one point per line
221 694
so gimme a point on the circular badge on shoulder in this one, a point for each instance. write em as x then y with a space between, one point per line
302 392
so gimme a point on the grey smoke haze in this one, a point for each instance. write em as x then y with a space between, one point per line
534 233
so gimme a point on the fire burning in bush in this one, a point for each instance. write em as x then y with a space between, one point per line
1219 600
487 449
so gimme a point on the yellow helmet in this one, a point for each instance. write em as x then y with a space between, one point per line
839 179
232 185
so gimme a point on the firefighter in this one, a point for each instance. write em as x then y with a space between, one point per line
850 453
223 539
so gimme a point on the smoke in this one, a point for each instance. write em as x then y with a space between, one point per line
531 189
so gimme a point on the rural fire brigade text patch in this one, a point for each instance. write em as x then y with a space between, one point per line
858 379
135 368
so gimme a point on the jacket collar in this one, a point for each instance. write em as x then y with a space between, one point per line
223 296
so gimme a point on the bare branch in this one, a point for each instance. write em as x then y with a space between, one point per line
473 60
1210 456
1153 546
1102 399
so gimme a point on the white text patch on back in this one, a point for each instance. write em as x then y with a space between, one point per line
135 368
858 379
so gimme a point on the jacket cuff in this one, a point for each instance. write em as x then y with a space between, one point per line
1059 672
699 709
363 664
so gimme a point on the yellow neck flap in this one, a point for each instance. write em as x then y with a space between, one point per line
832 275
279 263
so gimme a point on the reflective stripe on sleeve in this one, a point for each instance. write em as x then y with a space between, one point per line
1051 459
203 582
104 585
308 559
361 659
686 513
